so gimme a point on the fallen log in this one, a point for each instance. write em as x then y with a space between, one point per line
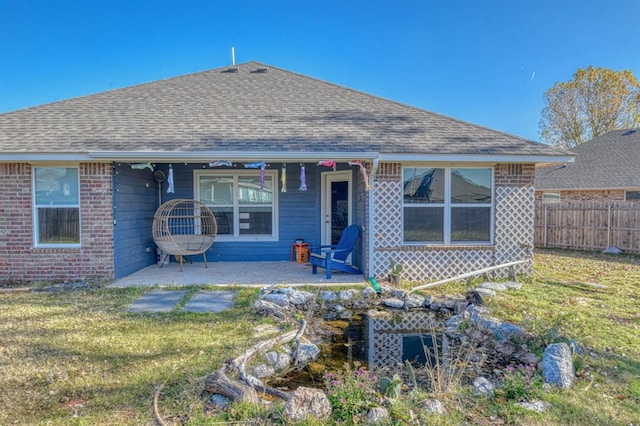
246 388
218 382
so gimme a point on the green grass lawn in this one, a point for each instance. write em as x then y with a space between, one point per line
79 357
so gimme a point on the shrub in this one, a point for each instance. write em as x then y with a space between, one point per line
352 392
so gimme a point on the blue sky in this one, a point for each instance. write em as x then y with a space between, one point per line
483 61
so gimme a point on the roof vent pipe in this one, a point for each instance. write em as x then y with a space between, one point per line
233 56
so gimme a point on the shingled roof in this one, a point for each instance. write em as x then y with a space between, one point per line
253 108
610 161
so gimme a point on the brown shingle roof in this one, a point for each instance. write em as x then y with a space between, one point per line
609 161
256 108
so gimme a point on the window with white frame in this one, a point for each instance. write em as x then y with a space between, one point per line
447 205
632 195
56 201
550 197
244 207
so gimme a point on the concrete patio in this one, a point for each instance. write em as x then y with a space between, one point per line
235 273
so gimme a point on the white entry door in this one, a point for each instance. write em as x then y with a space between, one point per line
336 205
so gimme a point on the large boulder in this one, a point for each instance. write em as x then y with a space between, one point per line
557 365
305 402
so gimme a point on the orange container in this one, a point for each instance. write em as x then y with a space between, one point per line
302 252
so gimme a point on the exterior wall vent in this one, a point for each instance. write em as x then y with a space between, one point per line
515 169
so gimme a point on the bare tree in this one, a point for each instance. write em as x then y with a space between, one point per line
595 101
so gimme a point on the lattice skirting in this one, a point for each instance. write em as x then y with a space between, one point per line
428 264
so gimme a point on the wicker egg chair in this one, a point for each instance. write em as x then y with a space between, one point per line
184 227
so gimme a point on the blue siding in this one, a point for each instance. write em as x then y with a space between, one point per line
135 199
298 215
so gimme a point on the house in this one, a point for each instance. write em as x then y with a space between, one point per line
439 195
605 169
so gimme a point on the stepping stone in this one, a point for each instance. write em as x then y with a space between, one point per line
158 301
210 301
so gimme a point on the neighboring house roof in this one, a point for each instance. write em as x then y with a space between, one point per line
250 109
609 161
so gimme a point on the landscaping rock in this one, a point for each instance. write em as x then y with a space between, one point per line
483 386
428 301
399 294
612 250
263 370
305 402
575 347
347 294
507 331
413 301
493 286
219 402
393 303
538 406
300 297
460 306
279 299
446 302
339 309
377 415
369 292
264 307
434 406
328 296
307 352
513 285
278 360
557 365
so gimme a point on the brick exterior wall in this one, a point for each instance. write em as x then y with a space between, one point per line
513 228
22 262
610 195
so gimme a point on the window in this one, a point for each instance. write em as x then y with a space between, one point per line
632 195
244 209
56 206
447 205
550 197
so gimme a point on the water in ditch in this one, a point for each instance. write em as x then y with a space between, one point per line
381 341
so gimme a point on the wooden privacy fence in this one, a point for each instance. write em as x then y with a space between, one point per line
588 225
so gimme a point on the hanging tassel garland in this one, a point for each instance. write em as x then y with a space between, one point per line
220 163
170 189
328 163
261 165
283 178
303 179
142 166
363 171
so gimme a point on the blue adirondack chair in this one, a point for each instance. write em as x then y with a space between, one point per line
335 256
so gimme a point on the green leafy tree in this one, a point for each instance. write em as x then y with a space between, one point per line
595 101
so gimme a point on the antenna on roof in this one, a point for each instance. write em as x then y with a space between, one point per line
233 56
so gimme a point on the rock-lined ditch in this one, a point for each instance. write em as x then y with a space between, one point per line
462 327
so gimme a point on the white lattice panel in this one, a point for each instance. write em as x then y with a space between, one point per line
425 264
514 225
388 213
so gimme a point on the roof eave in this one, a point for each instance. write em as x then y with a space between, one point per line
203 156
476 158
